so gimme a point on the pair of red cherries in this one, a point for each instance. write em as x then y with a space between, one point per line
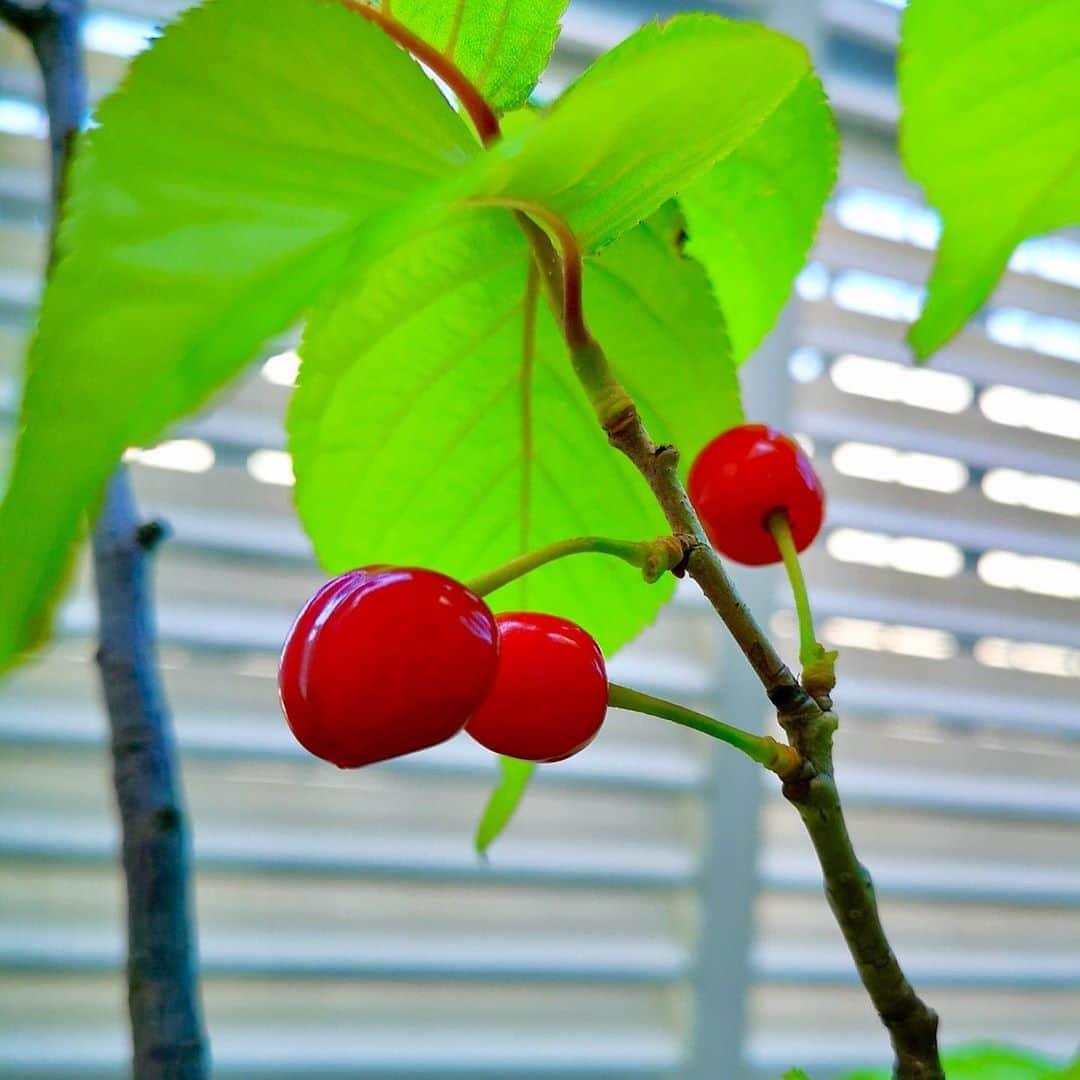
384 661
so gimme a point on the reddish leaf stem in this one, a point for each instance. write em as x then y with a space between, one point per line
571 266
472 101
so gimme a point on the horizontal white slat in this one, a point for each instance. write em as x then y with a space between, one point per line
1019 971
228 629
240 535
962 604
965 518
840 248
889 687
835 330
23 247
825 412
28 949
224 736
276 1054
947 792
601 866
915 926
418 956
922 879
387 856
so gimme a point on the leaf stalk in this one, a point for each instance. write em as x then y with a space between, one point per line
483 117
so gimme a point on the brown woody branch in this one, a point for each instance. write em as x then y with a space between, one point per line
809 722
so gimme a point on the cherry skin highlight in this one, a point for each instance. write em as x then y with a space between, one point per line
550 693
740 478
383 661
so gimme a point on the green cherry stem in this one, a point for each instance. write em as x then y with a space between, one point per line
652 557
780 527
777 757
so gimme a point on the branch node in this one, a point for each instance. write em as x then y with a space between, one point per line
787 697
687 543
620 423
786 761
666 457
797 790
668 554
151 533
819 677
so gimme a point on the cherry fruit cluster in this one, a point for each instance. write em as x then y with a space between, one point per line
384 661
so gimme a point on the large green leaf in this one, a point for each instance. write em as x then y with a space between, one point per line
502 46
990 95
1070 1072
643 122
438 422
220 195
752 218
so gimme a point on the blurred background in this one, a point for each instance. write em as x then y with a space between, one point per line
654 911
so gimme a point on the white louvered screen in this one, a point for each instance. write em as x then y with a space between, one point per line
948 575
347 929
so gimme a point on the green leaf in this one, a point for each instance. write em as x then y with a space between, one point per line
643 122
221 194
990 96
795 1074
504 801
502 46
984 1062
425 431
752 218
1070 1072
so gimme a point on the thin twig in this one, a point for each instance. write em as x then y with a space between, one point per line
809 722
163 999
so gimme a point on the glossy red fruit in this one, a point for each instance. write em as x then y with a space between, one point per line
383 661
740 478
550 693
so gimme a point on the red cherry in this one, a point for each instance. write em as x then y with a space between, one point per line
550 693
384 661
740 478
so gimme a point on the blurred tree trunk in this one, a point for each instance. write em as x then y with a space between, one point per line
163 995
